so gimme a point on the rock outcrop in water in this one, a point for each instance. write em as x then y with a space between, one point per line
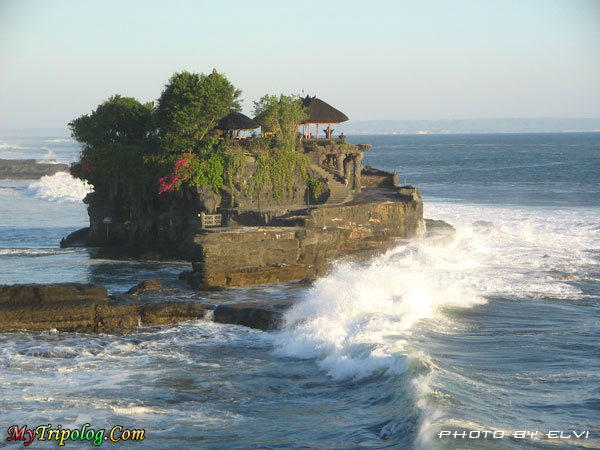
29 169
179 180
85 308
256 255
145 286
276 244
77 238
261 317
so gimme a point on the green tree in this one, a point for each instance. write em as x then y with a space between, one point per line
118 120
116 137
281 115
190 107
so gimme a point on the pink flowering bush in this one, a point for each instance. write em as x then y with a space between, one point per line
169 183
173 181
195 171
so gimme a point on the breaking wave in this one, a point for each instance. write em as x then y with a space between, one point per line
359 321
60 187
355 321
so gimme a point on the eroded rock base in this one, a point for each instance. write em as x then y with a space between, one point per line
85 308
245 256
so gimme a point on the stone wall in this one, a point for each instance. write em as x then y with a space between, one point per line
376 178
376 181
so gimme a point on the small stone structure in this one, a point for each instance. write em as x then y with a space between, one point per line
342 157
210 220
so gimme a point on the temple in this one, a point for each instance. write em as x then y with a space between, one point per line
342 160
235 124
338 162
320 113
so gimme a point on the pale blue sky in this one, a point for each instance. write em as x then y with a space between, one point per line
373 60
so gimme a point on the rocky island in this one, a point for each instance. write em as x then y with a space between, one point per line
29 169
184 179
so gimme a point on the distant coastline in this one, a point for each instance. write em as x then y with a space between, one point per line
469 126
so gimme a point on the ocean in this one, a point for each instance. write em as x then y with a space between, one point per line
488 340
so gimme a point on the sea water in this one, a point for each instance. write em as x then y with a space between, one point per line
485 340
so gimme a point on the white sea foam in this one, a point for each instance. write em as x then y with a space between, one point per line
13 147
60 187
58 140
136 410
358 320
526 253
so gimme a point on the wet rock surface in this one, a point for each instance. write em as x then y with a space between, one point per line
145 286
76 238
261 317
85 308
24 294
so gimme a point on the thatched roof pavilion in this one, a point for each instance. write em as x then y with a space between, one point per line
320 112
237 121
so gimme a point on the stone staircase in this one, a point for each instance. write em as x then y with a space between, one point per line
338 192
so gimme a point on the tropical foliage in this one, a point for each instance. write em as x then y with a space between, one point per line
119 120
139 147
281 116
116 136
190 107
206 168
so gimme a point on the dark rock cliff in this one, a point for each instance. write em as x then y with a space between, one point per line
162 222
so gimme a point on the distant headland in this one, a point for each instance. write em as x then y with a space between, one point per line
29 169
